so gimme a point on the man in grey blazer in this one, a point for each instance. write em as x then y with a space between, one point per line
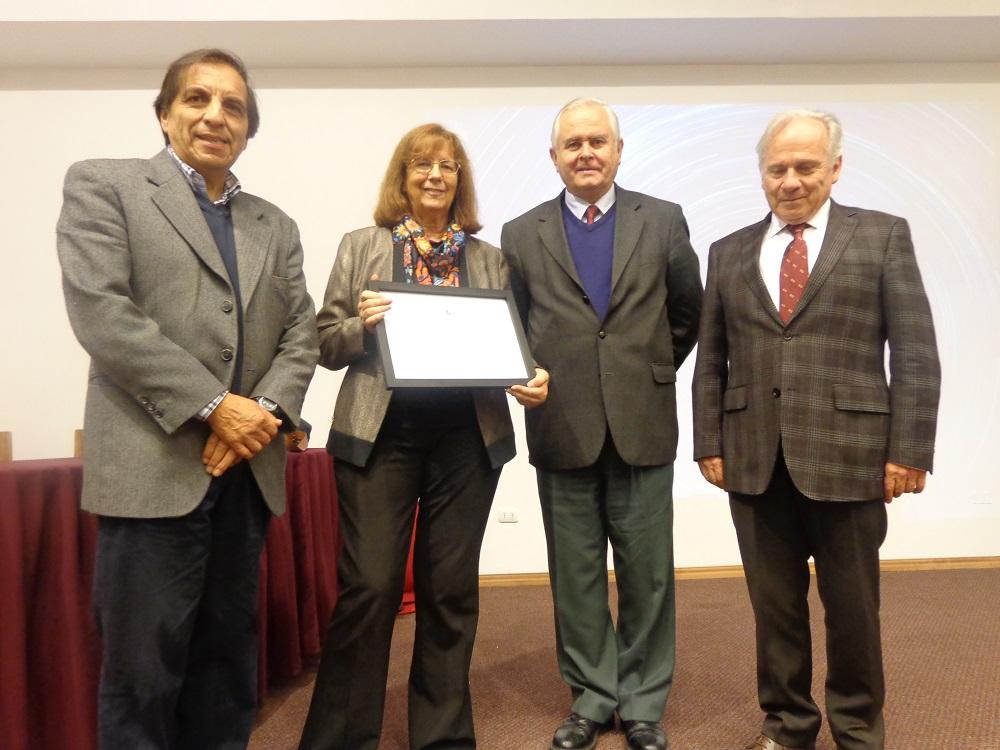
607 285
794 416
188 295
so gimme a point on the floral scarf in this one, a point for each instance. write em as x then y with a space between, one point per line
422 262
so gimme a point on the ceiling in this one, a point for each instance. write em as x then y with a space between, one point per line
346 44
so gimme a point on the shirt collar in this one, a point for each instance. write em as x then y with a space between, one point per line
197 182
819 221
578 207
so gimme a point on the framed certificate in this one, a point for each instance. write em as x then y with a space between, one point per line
451 337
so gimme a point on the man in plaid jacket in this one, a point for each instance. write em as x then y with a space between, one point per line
795 417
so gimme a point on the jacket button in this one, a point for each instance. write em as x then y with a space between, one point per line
227 354
788 337
150 407
227 305
601 334
776 393
158 414
586 299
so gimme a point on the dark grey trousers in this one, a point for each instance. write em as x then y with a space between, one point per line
778 531
628 670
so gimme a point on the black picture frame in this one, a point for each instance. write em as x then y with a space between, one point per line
451 337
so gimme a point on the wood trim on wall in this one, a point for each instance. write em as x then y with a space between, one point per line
736 571
6 446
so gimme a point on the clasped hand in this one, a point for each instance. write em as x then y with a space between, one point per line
241 428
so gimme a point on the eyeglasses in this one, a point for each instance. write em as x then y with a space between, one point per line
426 166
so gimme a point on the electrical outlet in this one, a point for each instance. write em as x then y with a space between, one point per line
507 516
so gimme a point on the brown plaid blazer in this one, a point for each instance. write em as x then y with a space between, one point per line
818 385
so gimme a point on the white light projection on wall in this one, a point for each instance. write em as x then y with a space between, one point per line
934 164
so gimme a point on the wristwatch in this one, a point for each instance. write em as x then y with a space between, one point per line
267 404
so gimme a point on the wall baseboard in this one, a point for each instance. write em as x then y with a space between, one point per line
736 571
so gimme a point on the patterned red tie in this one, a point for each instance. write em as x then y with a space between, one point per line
591 216
794 272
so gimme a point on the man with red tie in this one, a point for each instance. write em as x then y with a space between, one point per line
794 416
608 288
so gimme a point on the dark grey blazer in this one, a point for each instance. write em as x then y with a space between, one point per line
363 398
619 373
150 300
819 383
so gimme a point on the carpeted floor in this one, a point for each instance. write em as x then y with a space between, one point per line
941 631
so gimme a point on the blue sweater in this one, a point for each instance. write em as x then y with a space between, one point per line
592 247
220 222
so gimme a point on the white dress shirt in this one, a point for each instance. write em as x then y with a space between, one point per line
578 207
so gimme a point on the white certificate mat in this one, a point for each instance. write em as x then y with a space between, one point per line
448 337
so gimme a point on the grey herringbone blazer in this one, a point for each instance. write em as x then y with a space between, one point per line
618 374
363 398
818 384
150 300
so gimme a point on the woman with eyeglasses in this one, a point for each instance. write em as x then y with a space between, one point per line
439 448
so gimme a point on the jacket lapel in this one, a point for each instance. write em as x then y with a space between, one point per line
253 237
839 231
176 201
753 238
628 227
553 236
383 259
475 265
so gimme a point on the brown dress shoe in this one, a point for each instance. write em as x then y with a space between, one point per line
763 742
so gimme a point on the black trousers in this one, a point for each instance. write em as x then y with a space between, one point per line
447 469
778 531
176 605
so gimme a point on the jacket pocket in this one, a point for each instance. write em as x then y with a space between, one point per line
282 284
735 399
663 373
861 398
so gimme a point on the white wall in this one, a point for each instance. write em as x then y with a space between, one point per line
921 141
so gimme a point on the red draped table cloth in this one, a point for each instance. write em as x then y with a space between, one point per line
49 650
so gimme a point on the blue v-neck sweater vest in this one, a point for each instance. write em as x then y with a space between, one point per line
220 222
592 247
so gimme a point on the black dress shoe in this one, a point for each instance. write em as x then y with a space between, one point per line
644 735
577 733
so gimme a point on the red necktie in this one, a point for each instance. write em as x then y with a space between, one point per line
591 216
794 272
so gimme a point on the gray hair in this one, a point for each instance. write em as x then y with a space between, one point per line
586 102
780 121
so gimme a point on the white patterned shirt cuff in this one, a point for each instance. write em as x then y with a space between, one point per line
208 408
